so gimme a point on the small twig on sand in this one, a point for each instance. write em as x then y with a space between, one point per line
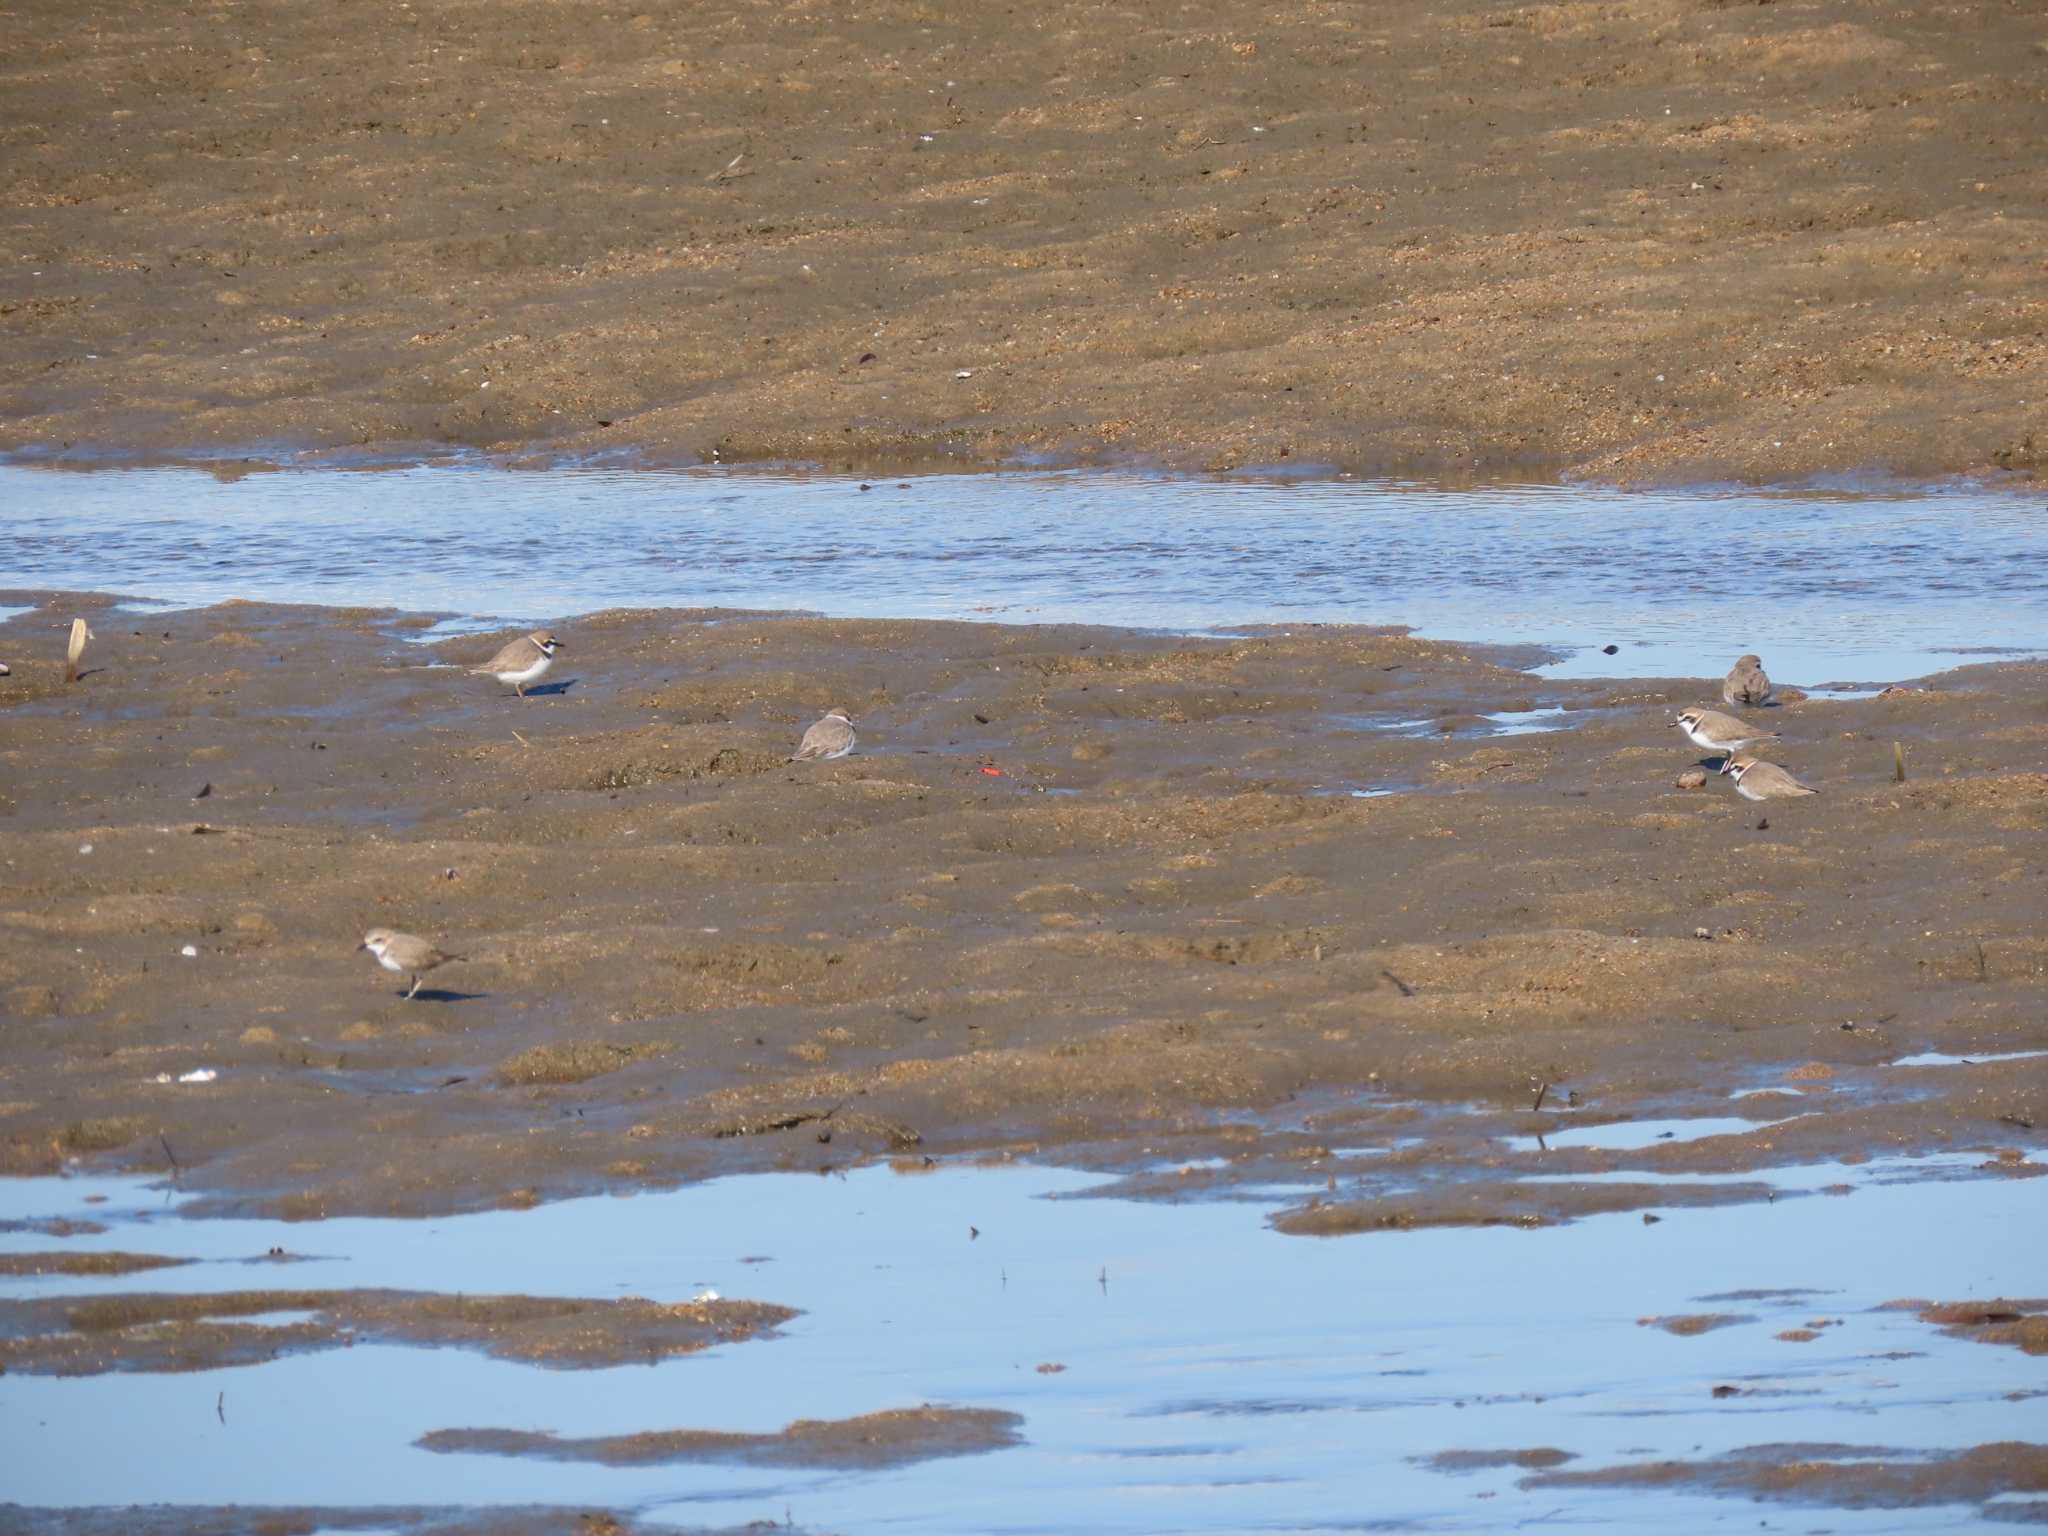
1982 973
730 171
1898 763
1406 990
521 740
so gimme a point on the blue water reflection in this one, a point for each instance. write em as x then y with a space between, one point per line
1218 1375
1830 585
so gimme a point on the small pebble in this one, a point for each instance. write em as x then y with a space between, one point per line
1692 778
190 952
85 847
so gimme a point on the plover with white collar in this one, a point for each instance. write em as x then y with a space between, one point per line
525 660
1756 779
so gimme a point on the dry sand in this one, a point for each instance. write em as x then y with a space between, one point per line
1669 239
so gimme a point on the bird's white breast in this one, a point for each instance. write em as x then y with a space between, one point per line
540 665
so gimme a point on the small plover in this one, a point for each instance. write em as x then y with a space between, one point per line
831 737
405 953
1756 779
80 633
1718 733
1746 683
524 661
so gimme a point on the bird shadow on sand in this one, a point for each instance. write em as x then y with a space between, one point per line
1712 763
444 995
552 690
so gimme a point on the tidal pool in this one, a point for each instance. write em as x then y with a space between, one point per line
1214 1375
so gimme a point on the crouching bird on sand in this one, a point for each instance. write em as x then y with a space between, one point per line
1756 779
1746 683
831 737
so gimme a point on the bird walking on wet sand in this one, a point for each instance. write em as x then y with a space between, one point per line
1746 683
405 953
80 633
525 660
831 737
1720 734
1756 779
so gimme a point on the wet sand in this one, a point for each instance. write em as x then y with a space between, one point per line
73 1336
1084 895
1856 1475
376 1520
1664 240
872 1440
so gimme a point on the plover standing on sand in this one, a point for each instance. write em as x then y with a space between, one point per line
1720 734
524 661
1746 683
831 737
405 953
1756 779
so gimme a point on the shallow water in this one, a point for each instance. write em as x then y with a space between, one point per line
1523 722
1869 586
1944 1059
1635 1135
1219 1376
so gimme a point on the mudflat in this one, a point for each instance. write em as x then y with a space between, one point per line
1669 239
1194 909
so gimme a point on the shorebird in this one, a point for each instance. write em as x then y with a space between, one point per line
524 661
831 737
405 953
1718 733
1756 779
1746 683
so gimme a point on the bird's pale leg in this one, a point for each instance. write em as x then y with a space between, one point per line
414 988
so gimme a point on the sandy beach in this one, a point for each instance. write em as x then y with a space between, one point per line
1083 894
1670 241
